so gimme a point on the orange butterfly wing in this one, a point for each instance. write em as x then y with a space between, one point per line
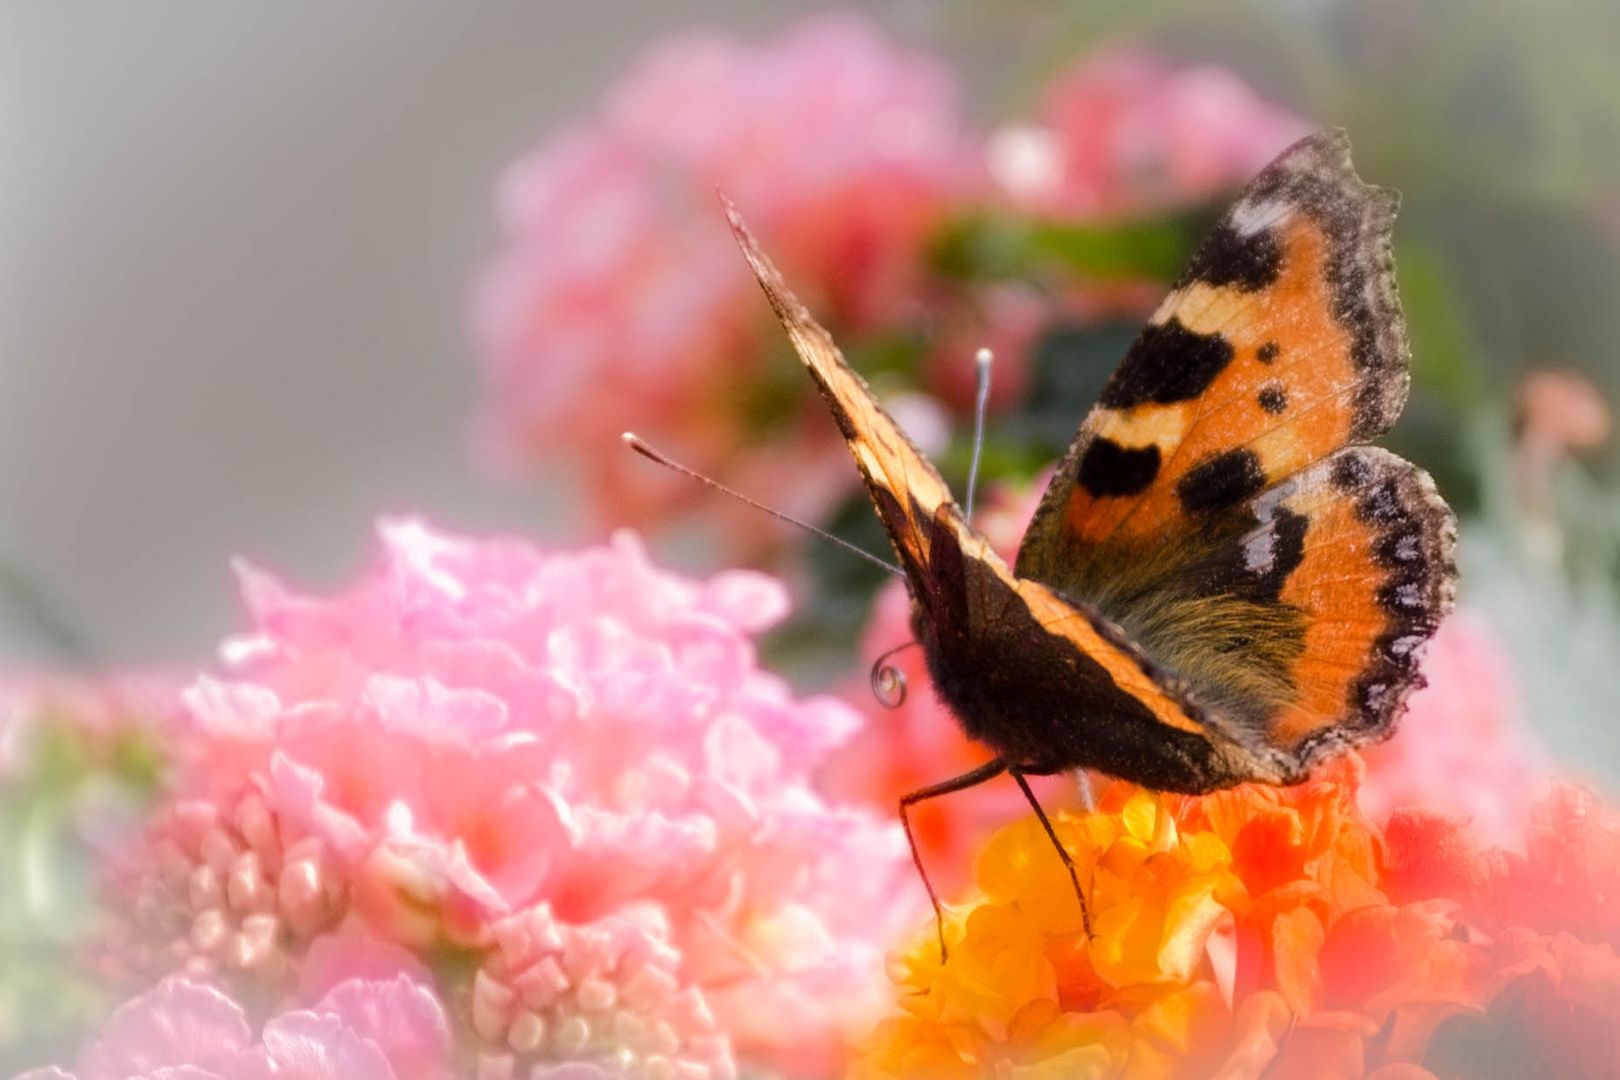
1207 503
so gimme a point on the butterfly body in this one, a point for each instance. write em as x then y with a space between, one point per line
1037 699
1224 582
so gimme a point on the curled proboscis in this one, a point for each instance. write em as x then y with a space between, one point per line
888 681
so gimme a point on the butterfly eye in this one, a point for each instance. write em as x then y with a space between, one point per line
888 681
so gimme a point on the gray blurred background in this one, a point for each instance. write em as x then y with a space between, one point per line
234 245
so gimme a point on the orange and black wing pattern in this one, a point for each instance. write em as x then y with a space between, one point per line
1219 502
1040 680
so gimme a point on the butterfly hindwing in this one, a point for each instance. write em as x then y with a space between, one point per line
1373 574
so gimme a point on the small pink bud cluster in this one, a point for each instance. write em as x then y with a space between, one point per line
220 892
609 992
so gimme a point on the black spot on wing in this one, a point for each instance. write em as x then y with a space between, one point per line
1351 472
1315 176
1274 399
1221 481
1250 261
1167 364
1108 468
1268 352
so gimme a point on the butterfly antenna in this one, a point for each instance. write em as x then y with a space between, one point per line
982 360
635 442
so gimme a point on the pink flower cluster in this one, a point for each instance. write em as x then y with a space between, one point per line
566 768
619 299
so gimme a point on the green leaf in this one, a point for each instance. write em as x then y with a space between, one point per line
1444 356
1154 248
990 246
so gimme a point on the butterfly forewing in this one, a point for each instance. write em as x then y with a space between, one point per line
905 487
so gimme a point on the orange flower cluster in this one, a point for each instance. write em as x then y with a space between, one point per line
1277 933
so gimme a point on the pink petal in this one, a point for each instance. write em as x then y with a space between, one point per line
400 1016
317 1046
432 711
177 1022
355 952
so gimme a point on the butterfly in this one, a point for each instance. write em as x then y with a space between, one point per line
1224 581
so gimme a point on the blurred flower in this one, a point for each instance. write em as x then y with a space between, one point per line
380 1030
567 765
1560 414
620 300
1463 747
80 759
1566 878
1554 1015
1270 931
615 302
1124 132
1007 319
108 722
845 151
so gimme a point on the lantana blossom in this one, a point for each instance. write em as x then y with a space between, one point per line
1274 932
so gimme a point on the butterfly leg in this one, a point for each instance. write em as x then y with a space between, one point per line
1051 833
988 771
